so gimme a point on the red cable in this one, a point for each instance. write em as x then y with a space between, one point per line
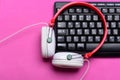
88 54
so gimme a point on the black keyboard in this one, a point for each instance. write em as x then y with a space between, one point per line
79 29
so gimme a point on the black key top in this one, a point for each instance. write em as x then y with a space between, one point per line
95 17
104 10
110 4
113 24
107 47
97 38
86 31
84 24
83 38
60 18
79 31
77 25
71 10
118 25
115 31
72 31
61 46
99 24
88 17
81 17
90 38
116 17
109 31
100 31
85 10
94 31
60 39
71 46
109 17
111 38
80 46
62 31
76 38
92 24
67 17
101 4
118 10
79 10
68 38
118 38
74 17
111 10
70 24
61 25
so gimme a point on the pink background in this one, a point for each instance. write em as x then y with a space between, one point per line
20 57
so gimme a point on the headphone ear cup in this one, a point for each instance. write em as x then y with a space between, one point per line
48 48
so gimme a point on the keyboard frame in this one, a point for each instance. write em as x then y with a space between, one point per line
99 53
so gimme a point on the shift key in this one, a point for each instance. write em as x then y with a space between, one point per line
61 46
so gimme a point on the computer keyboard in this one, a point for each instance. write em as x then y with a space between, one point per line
79 29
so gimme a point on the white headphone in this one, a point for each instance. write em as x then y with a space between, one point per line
67 59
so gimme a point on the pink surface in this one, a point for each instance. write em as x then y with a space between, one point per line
20 57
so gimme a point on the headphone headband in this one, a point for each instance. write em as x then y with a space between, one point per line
88 54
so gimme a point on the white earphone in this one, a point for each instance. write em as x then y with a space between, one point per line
67 59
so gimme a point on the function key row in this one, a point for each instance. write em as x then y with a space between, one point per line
87 10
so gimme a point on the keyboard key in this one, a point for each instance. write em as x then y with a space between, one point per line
83 38
72 31
104 10
74 17
81 17
113 24
76 38
71 10
92 24
115 31
90 38
94 31
86 31
99 25
118 38
79 10
62 32
109 31
111 38
59 18
70 24
88 17
61 24
68 38
60 39
84 24
80 46
71 46
118 10
100 31
79 31
67 17
109 18
116 17
77 25
85 10
61 46
97 38
95 17
107 47
111 10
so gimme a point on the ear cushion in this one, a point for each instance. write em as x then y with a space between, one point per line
60 60
48 49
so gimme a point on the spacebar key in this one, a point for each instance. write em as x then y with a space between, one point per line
107 47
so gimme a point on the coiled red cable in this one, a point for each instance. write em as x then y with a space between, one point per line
88 54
